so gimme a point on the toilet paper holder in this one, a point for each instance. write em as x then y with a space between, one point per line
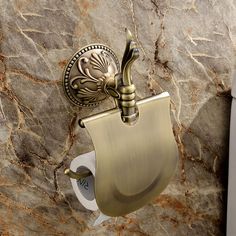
134 139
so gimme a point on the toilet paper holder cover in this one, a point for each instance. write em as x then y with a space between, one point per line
141 130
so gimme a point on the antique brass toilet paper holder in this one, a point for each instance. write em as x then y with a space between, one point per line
136 153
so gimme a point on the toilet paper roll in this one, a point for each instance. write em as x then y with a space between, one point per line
84 188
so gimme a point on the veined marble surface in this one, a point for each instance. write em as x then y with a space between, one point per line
187 48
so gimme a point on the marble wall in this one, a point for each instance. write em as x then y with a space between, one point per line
187 48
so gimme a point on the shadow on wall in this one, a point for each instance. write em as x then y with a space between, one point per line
206 143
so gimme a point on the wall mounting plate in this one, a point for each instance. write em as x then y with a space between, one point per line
87 73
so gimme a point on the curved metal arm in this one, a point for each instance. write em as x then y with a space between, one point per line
130 55
75 175
126 87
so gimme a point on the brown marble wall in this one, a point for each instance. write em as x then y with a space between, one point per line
187 48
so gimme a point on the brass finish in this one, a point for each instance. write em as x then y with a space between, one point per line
126 88
89 75
76 175
134 163
93 74
136 153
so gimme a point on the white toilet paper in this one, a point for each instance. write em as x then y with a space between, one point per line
84 188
